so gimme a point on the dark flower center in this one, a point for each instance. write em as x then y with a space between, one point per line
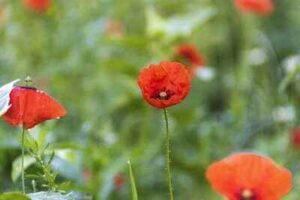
28 87
163 95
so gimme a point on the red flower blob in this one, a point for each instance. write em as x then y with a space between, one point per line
262 7
247 176
37 5
119 181
86 175
114 29
164 84
296 137
190 54
30 107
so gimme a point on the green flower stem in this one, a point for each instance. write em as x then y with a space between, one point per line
22 165
168 160
132 182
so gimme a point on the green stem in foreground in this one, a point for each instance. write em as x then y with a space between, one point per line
168 160
22 165
132 182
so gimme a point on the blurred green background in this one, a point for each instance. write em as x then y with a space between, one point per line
87 54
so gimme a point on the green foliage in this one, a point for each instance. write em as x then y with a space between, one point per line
37 151
13 195
71 51
16 166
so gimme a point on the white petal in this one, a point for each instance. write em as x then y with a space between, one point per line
4 96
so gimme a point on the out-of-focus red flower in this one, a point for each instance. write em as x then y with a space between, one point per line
190 54
2 16
114 28
30 107
119 181
86 175
37 5
262 7
164 84
296 137
247 176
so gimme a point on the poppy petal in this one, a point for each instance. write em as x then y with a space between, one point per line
31 107
241 171
262 7
37 5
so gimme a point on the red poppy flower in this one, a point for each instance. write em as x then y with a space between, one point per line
247 176
119 181
262 7
30 107
37 5
190 54
164 84
296 137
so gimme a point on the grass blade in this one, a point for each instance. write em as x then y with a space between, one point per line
132 182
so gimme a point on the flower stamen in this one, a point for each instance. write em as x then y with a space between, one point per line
247 195
163 95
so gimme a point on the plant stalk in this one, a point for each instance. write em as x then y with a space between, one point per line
22 165
168 153
132 182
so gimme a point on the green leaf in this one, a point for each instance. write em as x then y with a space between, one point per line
41 140
132 182
31 143
16 167
14 196
51 158
64 186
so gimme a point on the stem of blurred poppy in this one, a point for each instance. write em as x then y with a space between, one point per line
168 160
22 165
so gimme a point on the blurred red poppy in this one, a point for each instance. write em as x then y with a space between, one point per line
119 181
262 7
164 84
3 16
247 176
37 5
296 137
190 54
86 175
114 29
30 107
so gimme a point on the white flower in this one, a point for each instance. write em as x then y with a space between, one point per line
257 56
4 96
284 114
291 62
205 73
290 65
110 138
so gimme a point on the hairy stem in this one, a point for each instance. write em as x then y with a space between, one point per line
22 165
168 160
